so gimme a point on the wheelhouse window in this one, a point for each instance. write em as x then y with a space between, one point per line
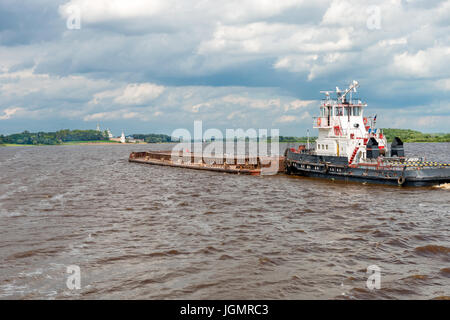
356 111
339 111
347 111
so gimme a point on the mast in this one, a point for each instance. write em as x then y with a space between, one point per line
341 95
307 141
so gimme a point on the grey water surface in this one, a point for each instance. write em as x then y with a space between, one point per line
148 232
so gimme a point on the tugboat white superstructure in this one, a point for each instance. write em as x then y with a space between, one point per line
343 130
350 147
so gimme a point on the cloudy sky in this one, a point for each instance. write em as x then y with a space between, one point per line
157 65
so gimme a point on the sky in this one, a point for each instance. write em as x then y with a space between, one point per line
152 66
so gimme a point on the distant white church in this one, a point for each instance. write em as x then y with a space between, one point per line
122 139
108 132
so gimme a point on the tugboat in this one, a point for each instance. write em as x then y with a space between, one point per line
350 148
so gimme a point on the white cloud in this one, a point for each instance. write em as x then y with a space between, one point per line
256 60
392 42
432 62
337 13
186 11
287 119
22 83
355 13
132 94
275 38
296 63
235 115
232 100
139 93
124 114
22 74
298 104
105 10
251 102
306 116
8 113
196 108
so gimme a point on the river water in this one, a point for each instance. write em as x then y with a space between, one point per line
148 232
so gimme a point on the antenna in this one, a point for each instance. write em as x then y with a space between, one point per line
327 94
341 95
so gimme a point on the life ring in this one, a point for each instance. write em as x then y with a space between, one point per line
319 122
401 180
365 121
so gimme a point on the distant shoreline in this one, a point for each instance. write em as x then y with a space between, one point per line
91 137
97 143
92 143
87 143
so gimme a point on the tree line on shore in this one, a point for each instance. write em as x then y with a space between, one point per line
153 138
62 136
53 138
408 135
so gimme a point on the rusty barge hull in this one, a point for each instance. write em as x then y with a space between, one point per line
238 165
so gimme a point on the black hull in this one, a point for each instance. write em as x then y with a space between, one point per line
304 165
372 180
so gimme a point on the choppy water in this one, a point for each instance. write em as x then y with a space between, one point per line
139 231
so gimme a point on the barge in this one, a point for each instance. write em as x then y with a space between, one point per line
255 166
350 148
